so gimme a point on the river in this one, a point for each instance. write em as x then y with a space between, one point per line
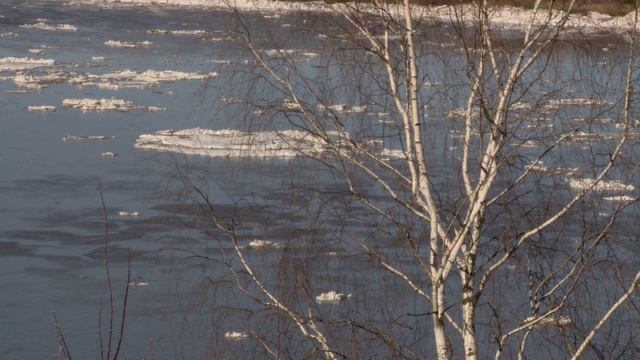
52 223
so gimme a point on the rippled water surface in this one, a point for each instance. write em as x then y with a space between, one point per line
51 219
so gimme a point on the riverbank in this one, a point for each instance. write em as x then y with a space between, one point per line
504 16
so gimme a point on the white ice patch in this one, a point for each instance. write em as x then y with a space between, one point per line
235 143
239 144
264 244
557 104
133 79
87 138
537 167
105 105
128 213
113 81
42 108
295 54
38 82
604 185
235 336
550 321
42 25
620 198
125 44
14 63
391 154
332 296
178 32
343 108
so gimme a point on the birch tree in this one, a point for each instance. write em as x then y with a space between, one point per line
489 201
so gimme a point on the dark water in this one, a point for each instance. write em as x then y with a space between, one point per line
51 220
52 227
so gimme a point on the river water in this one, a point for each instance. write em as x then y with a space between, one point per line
52 226
51 222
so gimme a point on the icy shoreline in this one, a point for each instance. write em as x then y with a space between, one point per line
505 18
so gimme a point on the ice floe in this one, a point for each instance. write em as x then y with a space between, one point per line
332 296
550 321
41 24
235 336
299 55
128 213
42 108
87 138
15 63
391 154
343 108
620 198
557 104
38 82
265 144
263 244
177 32
604 185
138 284
234 143
105 105
125 44
503 17
133 79
115 80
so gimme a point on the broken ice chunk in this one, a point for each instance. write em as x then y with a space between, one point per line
332 296
234 336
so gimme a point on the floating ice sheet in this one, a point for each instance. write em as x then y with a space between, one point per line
114 81
332 296
604 185
234 143
125 44
620 198
556 104
105 105
14 63
264 244
239 144
551 321
235 336
87 138
42 25
133 79
178 32
128 213
42 108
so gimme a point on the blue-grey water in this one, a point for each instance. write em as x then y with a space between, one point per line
51 219
52 227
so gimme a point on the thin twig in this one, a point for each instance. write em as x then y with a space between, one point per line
63 344
124 306
106 266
